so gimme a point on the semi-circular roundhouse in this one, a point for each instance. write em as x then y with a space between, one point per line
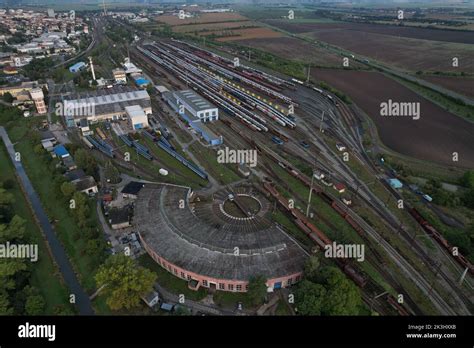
219 243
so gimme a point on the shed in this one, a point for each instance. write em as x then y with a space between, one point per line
119 218
75 174
151 299
77 67
69 163
131 189
340 187
61 151
167 307
86 185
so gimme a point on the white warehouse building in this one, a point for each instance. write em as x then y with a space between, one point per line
197 105
137 117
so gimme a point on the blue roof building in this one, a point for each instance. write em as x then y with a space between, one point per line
200 128
142 82
77 67
166 307
61 151
395 183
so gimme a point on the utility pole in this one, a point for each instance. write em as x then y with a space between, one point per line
310 192
309 69
321 123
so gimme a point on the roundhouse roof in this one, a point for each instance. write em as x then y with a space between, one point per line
186 240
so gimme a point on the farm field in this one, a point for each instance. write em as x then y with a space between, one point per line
221 26
207 27
410 54
295 49
434 137
250 33
464 37
202 18
403 52
463 85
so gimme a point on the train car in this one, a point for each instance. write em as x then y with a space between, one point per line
438 237
297 81
354 275
101 133
397 306
87 142
277 140
318 90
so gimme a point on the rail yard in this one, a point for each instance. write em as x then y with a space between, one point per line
215 162
259 108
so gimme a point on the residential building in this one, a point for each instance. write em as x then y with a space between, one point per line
38 97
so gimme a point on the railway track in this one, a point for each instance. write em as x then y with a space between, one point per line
347 175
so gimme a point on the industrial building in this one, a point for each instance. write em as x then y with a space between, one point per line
24 86
106 104
119 75
197 106
179 239
137 117
131 68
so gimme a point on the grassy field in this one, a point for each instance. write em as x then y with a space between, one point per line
208 158
45 276
39 172
230 300
464 111
342 232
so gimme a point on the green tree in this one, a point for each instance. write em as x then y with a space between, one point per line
14 231
81 211
309 298
35 304
467 180
342 295
68 189
8 184
468 198
6 201
5 308
257 289
85 161
112 173
7 97
311 267
125 281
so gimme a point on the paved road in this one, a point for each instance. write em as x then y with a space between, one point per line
82 299
196 306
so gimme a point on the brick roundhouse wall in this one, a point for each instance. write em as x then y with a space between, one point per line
221 284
